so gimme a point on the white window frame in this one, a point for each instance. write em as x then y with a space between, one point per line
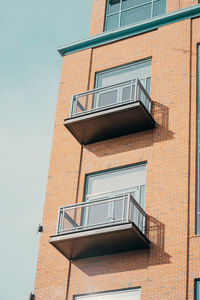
136 291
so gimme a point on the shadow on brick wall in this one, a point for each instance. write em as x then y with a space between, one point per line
133 260
137 140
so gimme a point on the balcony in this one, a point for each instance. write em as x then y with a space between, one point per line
109 112
100 227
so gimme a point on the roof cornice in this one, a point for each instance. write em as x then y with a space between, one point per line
131 30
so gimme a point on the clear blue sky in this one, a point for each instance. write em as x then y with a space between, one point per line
30 67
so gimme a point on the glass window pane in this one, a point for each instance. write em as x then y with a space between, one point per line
135 15
159 7
142 196
134 294
107 98
113 6
96 214
148 85
126 93
117 75
112 22
132 3
120 209
198 290
117 180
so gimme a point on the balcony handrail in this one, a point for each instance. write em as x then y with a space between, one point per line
95 201
137 205
126 215
145 92
133 98
108 87
120 192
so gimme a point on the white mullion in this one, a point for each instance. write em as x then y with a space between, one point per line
152 2
120 13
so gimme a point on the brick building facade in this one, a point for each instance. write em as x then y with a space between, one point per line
137 236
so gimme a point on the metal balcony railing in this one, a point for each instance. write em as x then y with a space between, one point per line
109 97
101 213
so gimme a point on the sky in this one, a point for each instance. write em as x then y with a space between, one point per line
31 31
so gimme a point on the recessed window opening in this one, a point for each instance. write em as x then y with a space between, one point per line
125 12
131 294
123 79
197 292
116 193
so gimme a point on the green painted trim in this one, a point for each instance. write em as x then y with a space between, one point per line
198 141
197 289
129 31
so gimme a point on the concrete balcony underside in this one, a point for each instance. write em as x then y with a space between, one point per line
100 241
110 123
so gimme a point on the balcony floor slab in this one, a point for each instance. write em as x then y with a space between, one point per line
110 123
100 241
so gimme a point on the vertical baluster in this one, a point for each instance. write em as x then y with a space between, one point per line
136 94
150 105
144 224
76 101
123 205
128 197
62 222
59 221
146 102
131 89
72 106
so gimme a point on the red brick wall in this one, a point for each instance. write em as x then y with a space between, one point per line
161 271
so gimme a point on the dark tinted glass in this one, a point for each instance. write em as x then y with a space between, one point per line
112 22
126 93
132 3
148 85
159 7
136 14
107 98
113 6
96 214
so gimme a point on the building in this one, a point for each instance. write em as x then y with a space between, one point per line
122 210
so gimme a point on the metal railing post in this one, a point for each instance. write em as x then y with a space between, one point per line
128 207
123 206
76 101
136 91
131 89
63 216
72 107
58 222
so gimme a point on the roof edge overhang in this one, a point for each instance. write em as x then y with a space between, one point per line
131 30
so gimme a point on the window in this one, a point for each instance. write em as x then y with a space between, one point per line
132 294
110 189
197 292
118 181
124 12
198 147
123 77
